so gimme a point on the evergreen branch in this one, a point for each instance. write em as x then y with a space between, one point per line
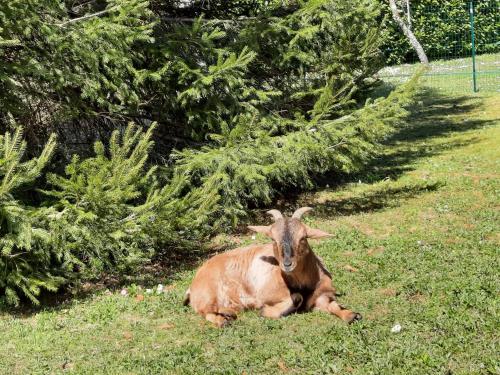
168 19
87 16
10 43
212 20
341 143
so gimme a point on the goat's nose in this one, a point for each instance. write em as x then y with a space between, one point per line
287 263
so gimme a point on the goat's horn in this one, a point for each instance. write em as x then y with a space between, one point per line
300 211
276 214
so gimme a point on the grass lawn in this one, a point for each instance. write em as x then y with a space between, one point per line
416 243
451 76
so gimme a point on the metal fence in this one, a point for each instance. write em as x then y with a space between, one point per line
462 43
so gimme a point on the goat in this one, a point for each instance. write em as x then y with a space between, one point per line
279 278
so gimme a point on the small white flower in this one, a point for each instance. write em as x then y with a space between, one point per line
253 237
124 292
149 291
396 328
159 288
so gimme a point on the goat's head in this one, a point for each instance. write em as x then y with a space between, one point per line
289 237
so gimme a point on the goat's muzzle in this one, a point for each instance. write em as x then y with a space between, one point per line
288 266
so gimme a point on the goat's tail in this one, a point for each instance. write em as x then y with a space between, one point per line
187 297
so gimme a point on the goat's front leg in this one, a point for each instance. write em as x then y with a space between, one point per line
283 308
328 304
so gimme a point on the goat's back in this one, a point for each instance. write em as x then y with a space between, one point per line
234 279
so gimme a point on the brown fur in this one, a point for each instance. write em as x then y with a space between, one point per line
278 278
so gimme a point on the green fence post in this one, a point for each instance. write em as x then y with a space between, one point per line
473 39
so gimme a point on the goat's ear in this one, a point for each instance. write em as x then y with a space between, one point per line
317 234
264 229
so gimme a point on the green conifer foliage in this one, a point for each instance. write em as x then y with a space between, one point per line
24 257
199 84
253 167
102 204
108 214
207 77
53 69
320 56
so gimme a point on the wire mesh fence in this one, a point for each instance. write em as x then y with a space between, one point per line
461 40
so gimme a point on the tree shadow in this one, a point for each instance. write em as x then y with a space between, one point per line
433 117
159 269
385 197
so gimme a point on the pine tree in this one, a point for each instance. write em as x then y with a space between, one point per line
109 213
98 208
55 67
24 268
253 168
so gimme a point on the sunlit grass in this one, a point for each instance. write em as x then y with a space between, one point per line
418 229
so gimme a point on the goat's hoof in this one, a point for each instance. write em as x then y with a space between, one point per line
225 323
228 314
297 300
229 317
220 320
356 317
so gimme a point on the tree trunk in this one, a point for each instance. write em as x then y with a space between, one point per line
409 34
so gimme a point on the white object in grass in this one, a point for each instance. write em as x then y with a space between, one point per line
396 328
124 292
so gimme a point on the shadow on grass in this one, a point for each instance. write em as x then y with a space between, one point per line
148 276
434 116
166 270
382 198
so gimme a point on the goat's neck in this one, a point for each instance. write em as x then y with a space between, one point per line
305 274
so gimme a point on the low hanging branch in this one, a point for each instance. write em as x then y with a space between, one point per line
209 20
409 34
86 17
165 19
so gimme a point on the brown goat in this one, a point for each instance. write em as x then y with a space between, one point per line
278 278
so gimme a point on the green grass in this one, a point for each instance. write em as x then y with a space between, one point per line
419 226
452 75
